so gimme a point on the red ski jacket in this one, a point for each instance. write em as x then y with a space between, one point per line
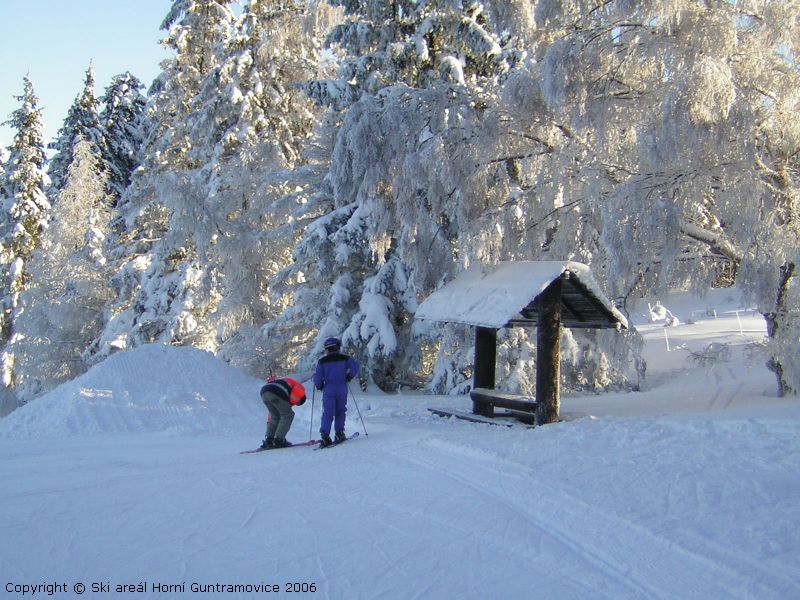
287 388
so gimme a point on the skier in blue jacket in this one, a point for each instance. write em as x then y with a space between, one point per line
334 371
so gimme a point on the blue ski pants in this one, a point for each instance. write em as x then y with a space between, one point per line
334 409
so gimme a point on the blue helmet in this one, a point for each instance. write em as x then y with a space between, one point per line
333 343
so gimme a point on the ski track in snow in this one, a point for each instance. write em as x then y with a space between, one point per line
420 506
623 541
536 517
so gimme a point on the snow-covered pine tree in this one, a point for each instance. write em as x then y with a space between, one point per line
163 291
61 311
391 234
259 178
411 42
25 207
121 119
81 123
196 31
197 263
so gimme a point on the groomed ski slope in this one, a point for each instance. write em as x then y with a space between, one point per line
131 474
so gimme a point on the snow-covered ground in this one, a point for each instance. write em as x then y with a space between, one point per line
131 475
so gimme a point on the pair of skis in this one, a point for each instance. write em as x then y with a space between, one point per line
335 443
316 443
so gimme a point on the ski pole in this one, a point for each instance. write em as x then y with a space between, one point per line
311 424
358 409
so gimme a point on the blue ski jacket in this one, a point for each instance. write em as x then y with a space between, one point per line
334 371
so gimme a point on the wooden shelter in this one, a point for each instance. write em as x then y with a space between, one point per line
542 294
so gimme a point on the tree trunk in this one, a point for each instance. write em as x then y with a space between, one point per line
774 321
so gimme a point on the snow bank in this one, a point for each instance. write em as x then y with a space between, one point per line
153 388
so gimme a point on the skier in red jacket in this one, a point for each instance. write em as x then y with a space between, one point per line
279 396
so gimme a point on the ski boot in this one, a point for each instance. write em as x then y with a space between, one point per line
340 436
282 443
325 440
268 444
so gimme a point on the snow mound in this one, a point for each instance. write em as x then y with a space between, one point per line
153 388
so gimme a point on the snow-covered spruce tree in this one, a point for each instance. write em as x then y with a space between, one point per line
674 149
391 235
163 291
258 175
405 41
25 207
197 264
196 31
81 123
60 312
121 120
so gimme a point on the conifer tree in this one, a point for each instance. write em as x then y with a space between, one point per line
61 311
81 123
257 170
121 120
162 284
205 228
408 96
196 32
25 207
410 42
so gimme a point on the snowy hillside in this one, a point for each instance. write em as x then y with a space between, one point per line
131 475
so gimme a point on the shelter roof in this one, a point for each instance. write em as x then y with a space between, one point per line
506 296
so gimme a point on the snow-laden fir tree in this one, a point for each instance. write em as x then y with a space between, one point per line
121 120
411 42
204 234
258 174
408 99
81 123
196 31
24 213
161 287
61 311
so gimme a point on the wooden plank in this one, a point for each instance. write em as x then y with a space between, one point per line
503 400
485 364
468 417
524 416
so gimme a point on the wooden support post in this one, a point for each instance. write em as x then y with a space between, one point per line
548 354
485 359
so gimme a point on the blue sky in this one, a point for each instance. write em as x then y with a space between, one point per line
53 42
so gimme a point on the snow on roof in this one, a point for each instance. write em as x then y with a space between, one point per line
495 298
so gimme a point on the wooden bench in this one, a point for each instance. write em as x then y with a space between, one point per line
484 401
